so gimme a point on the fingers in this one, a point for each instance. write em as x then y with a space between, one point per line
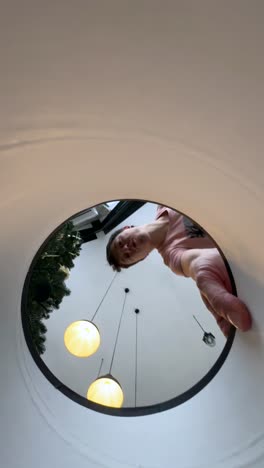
235 311
223 324
208 305
225 305
231 309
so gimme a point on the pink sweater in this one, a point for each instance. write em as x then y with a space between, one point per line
182 234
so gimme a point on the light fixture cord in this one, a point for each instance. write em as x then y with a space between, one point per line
100 367
92 319
136 360
199 323
123 308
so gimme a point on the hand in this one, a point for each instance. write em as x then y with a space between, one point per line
216 291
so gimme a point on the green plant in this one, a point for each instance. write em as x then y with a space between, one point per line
47 286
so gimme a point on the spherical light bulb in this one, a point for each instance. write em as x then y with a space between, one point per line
82 338
106 391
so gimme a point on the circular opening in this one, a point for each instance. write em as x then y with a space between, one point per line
145 330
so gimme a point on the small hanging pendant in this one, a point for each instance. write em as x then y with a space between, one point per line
209 339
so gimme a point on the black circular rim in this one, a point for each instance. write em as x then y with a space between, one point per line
127 411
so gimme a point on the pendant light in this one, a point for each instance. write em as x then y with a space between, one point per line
82 338
106 390
208 338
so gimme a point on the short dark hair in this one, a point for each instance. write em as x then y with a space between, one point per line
111 258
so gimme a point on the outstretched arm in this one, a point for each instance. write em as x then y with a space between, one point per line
208 270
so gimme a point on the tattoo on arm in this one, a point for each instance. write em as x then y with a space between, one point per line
192 230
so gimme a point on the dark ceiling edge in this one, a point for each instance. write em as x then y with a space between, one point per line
117 215
133 411
122 211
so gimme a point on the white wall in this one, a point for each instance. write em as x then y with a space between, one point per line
166 100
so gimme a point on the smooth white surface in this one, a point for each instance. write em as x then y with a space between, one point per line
166 98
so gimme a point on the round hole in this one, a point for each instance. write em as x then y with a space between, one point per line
160 356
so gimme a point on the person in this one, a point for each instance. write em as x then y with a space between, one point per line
188 251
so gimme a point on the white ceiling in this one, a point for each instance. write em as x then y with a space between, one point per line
159 100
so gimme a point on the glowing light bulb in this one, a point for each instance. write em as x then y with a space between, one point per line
82 338
106 391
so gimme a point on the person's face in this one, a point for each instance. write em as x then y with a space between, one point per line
131 245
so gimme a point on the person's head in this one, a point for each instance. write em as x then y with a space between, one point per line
128 246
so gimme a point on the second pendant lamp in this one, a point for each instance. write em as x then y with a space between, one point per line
106 390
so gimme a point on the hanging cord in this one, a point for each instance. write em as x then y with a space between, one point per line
100 368
136 353
123 308
92 319
199 323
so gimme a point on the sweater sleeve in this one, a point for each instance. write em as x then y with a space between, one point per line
160 211
173 261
